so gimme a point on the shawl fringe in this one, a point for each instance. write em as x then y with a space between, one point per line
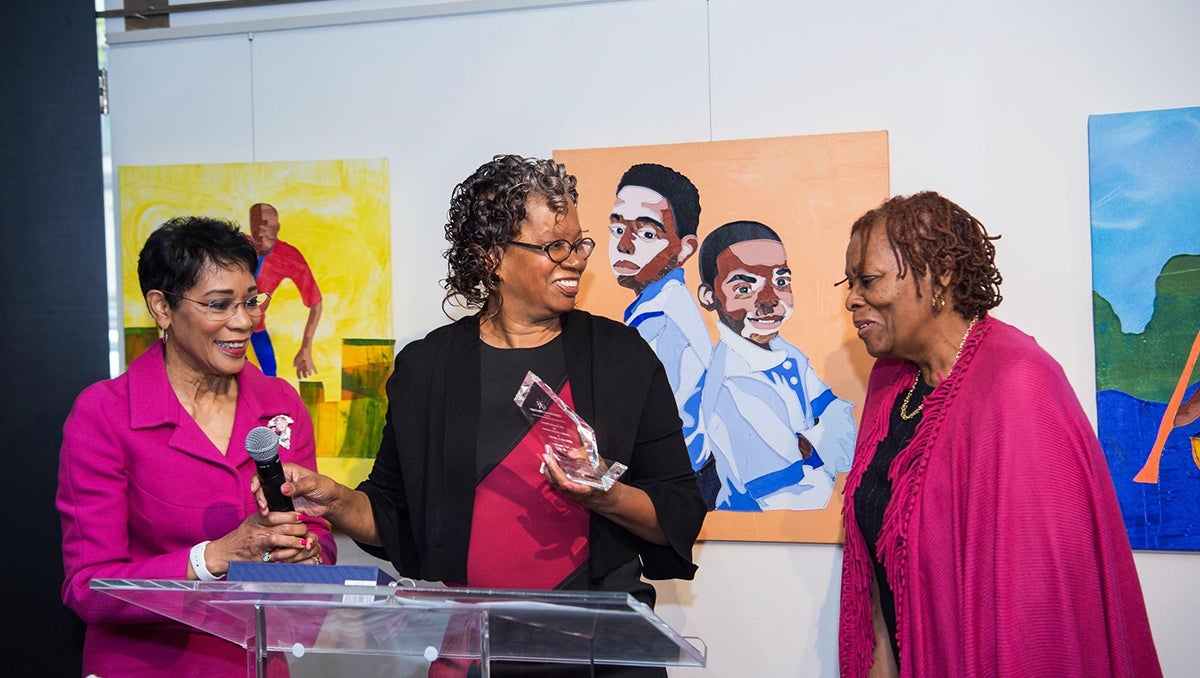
907 473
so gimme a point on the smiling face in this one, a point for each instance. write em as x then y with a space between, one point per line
887 313
644 245
203 348
752 291
532 287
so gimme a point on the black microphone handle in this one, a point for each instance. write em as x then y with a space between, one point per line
271 475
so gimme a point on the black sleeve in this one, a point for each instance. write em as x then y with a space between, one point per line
660 466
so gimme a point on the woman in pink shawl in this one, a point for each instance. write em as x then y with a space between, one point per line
983 535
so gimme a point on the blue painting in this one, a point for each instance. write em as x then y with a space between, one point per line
1144 172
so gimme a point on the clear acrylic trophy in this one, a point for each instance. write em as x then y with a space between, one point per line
567 436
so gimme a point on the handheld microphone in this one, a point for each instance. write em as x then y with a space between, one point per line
262 444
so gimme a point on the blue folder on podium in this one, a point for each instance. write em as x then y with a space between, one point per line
295 573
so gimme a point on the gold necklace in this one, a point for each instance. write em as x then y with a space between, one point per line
912 389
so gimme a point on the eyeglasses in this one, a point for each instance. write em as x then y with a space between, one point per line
224 309
560 250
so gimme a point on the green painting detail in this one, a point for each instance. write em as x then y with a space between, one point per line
363 438
137 340
352 427
1147 365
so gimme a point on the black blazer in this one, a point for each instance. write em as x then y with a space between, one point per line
422 485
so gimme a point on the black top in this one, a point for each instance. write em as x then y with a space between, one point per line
501 424
875 492
423 482
501 427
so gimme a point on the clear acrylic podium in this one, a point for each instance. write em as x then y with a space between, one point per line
348 621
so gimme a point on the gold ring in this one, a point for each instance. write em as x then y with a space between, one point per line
318 559
267 557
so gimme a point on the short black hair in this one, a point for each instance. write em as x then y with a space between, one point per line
177 252
726 236
679 191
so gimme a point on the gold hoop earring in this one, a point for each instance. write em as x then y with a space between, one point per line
938 303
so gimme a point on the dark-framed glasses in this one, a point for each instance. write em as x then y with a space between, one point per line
560 250
226 308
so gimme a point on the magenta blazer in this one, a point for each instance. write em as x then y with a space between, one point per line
139 484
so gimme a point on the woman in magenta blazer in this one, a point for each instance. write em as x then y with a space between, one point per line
153 472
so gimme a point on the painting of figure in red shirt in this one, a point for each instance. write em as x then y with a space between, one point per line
279 261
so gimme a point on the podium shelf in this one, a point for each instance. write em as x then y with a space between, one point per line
574 627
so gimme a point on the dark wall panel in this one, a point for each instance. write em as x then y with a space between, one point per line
53 304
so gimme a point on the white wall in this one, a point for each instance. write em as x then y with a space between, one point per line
986 102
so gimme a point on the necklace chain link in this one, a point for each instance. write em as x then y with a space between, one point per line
912 389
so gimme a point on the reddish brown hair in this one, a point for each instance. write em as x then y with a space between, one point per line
930 234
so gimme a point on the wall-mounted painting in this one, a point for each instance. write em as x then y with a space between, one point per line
723 255
1145 214
322 231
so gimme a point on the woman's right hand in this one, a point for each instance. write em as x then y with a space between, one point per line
312 493
320 496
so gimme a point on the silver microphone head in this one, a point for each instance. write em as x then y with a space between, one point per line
262 443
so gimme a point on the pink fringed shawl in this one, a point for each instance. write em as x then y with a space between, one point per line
1003 542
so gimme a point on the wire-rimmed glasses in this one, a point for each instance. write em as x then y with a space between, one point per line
560 250
224 309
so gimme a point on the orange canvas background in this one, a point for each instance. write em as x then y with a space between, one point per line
809 189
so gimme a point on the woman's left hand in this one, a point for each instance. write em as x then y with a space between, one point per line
626 505
585 495
309 553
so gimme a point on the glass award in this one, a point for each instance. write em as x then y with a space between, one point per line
567 436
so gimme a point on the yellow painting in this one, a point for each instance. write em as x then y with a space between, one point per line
324 227
724 256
